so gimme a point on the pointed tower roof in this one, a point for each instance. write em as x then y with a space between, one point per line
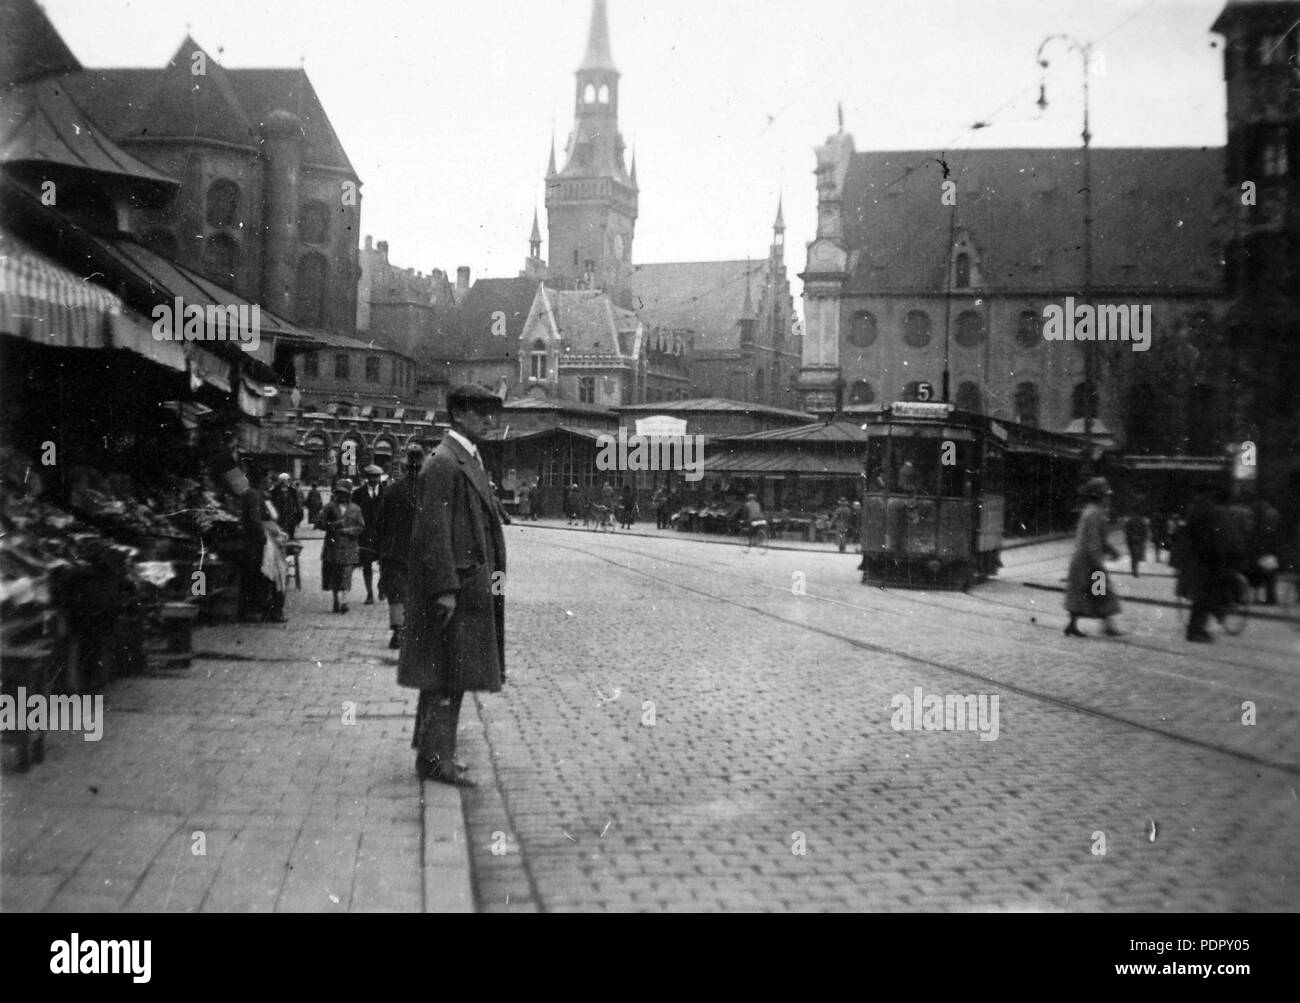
30 47
779 225
550 166
536 236
598 55
204 104
634 184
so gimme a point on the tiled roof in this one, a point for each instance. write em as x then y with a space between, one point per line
1160 218
589 322
834 464
225 104
835 432
706 297
43 123
715 404
564 407
465 333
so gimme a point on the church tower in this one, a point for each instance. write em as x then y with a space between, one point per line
591 204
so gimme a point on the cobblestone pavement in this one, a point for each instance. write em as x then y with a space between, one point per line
691 726
245 756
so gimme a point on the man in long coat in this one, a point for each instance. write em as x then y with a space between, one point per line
367 498
454 640
396 514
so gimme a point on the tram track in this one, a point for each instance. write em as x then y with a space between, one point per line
933 663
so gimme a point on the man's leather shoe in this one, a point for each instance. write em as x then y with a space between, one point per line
432 769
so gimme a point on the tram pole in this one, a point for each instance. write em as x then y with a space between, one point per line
1092 393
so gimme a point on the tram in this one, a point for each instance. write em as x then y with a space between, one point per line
935 492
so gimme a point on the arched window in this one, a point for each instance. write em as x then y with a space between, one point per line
862 392
313 223
589 94
862 329
604 93
1027 404
962 278
538 360
309 298
223 203
970 398
917 329
970 329
220 259
162 243
1084 401
1029 329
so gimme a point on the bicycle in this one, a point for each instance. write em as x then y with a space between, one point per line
758 534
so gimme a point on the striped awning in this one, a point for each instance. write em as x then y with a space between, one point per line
45 303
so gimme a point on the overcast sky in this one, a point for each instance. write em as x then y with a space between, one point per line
446 109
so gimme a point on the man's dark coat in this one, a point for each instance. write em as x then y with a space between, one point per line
456 546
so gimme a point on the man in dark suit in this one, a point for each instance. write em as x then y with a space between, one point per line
454 639
367 498
396 513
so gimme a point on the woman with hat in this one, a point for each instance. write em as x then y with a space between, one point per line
343 524
1088 592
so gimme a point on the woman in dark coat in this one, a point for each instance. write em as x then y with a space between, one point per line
259 600
343 524
1088 592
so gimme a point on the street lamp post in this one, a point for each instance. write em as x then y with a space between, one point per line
1084 49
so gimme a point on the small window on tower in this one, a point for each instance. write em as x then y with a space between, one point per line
604 94
589 95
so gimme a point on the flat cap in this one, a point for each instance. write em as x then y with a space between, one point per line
374 470
343 484
476 397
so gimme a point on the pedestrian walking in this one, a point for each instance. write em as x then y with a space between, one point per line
627 507
573 505
261 595
288 505
343 524
367 498
454 639
1088 592
396 514
660 503
1205 554
755 521
841 520
1265 551
525 509
1137 531
313 505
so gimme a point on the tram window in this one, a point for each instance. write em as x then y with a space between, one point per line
876 475
915 463
957 480
994 473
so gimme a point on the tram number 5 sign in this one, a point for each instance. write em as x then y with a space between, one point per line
925 392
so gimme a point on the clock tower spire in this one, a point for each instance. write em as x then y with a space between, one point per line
591 204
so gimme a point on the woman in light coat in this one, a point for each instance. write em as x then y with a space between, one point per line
1088 592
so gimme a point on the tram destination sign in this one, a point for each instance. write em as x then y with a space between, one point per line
911 409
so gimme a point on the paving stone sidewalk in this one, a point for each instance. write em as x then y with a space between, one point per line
237 786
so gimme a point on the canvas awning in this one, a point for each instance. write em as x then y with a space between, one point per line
766 462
